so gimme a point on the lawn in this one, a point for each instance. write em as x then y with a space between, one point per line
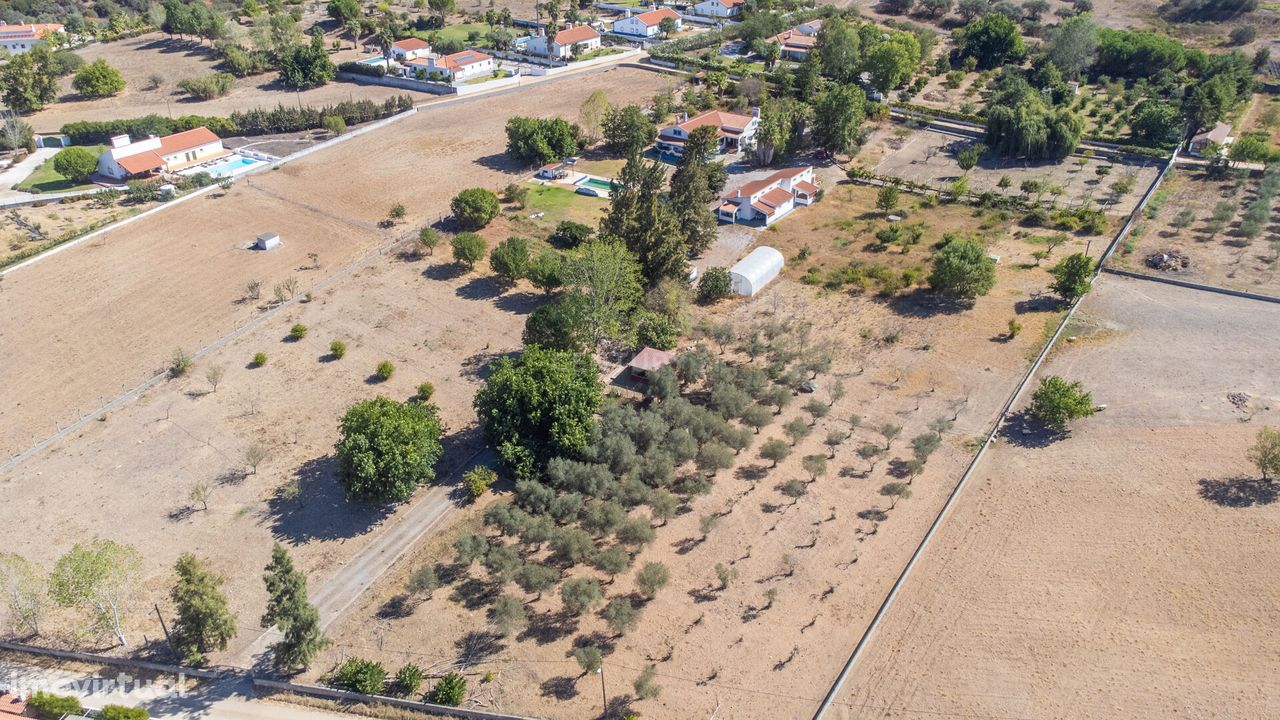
462 32
44 179
558 203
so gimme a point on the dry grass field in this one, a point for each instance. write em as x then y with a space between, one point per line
1226 258
1123 571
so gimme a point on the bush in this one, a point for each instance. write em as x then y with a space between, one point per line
180 363
425 391
570 234
297 332
337 349
388 449
962 269
209 86
385 370
451 690
474 208
357 68
468 248
336 125
259 359
75 164
361 676
408 680
478 480
120 712
98 79
48 705
655 330
1056 402
510 260
715 285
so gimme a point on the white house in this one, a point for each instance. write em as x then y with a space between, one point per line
753 272
794 45
409 49
769 199
567 43
719 8
153 155
18 39
735 132
646 24
1220 136
457 67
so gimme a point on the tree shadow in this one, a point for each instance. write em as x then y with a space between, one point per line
899 468
921 303
321 510
181 514
235 476
751 473
619 708
599 640
1025 431
1239 491
548 627
502 162
478 366
560 688
1038 303
398 607
444 271
482 287
520 303
873 514
474 593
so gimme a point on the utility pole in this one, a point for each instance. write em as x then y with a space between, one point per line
167 638
604 698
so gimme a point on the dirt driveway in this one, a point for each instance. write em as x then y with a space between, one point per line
1116 573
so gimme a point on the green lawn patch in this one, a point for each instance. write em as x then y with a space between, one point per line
560 203
44 179
462 31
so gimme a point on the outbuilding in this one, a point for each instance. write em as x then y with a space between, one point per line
755 271
267 241
647 362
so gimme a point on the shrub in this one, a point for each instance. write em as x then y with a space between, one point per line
385 370
336 125
425 391
120 712
655 330
468 248
259 359
361 676
962 269
715 285
180 363
209 86
510 259
48 705
474 208
98 79
451 690
397 212
570 234
478 479
408 680
75 164
297 332
337 349
1056 402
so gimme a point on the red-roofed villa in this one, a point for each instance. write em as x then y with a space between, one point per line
769 199
153 155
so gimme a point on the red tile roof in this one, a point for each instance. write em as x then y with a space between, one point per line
731 3
722 120
575 35
11 704
29 31
186 140
807 188
795 39
650 359
143 162
409 44
460 60
776 197
756 186
654 17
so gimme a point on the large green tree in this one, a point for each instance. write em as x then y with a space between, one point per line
344 11
98 79
627 130
640 219
839 51
607 276
1021 124
204 622
102 577
75 163
29 81
838 115
306 65
538 406
993 40
1057 402
696 184
1073 45
289 610
388 449
1071 276
537 140
962 269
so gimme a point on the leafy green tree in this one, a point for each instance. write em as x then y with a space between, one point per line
289 611
539 406
775 450
546 271
101 577
994 40
651 578
474 208
612 561
75 164
468 248
608 277
627 130
510 260
1156 123
839 51
715 285
536 141
1056 402
25 590
1021 125
388 449
1265 453
621 616
451 690
580 595
560 325
344 11
1071 276
647 226
891 61
307 65
204 622
897 491
970 9
1073 45
29 81
508 615
588 658
962 269
838 116
423 582
98 79
408 680
535 578
887 199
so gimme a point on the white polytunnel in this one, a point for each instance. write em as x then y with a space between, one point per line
755 271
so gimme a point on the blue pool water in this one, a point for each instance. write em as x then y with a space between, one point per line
230 166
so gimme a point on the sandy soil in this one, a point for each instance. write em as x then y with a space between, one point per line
929 156
1228 259
176 60
56 220
725 648
110 312
1095 577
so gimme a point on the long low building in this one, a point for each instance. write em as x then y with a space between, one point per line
171 153
734 131
770 199
18 39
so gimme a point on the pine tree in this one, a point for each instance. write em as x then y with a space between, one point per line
289 610
694 186
644 223
204 622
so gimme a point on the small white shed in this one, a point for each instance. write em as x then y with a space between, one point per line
267 241
755 271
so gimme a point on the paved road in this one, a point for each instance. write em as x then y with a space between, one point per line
19 172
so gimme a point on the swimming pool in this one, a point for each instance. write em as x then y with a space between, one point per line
596 183
227 167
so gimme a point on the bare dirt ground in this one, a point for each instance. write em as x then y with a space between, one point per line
56 220
1226 259
177 60
1119 572
929 156
825 553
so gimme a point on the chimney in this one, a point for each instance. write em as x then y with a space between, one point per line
627 13
119 141
684 117
755 112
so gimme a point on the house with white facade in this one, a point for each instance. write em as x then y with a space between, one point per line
734 131
18 39
569 42
171 153
408 49
458 67
646 24
719 8
769 199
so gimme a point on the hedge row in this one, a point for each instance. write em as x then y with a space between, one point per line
359 68
252 122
